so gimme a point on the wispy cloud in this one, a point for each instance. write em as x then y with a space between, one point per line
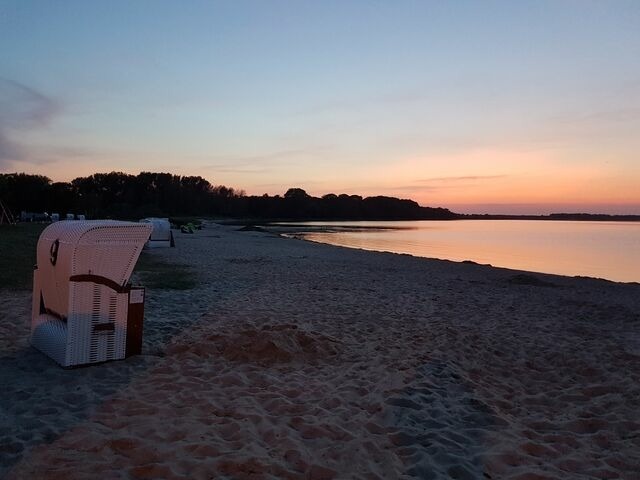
261 163
357 103
9 150
21 109
625 114
40 155
409 188
304 184
465 178
431 185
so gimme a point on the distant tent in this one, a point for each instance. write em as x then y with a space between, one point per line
5 215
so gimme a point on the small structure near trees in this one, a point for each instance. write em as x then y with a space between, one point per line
5 215
162 236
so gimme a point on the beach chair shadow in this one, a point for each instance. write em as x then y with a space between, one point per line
41 401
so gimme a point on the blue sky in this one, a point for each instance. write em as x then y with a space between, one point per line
477 106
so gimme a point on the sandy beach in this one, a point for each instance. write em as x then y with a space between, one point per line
306 361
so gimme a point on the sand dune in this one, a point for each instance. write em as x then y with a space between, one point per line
299 360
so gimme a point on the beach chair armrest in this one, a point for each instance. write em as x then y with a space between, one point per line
100 280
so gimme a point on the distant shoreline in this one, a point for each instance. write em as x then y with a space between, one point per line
554 217
579 217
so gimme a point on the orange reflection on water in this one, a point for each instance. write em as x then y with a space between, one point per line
608 250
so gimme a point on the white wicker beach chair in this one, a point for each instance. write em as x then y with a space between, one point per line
84 311
162 236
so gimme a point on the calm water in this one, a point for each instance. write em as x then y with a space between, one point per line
608 250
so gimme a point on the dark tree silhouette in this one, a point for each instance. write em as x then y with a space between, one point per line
21 191
126 196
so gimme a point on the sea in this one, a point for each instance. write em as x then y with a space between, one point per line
609 250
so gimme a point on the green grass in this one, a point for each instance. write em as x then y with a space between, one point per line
18 257
18 254
155 272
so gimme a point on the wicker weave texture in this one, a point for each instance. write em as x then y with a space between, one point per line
49 335
92 316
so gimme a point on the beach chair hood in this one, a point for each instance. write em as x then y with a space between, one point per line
105 250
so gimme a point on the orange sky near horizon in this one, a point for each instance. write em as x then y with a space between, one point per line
534 109
480 181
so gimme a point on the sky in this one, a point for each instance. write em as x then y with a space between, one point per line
477 106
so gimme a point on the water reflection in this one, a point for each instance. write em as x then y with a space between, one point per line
608 250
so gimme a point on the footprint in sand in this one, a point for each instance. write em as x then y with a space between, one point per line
439 426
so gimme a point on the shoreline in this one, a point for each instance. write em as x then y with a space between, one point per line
303 237
311 233
296 359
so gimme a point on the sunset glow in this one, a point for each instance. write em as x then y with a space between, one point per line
497 107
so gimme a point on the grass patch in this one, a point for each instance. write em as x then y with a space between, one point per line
18 254
155 272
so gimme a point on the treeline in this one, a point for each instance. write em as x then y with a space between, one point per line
113 195
573 217
297 204
125 196
600 217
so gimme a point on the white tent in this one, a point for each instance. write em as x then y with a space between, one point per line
82 303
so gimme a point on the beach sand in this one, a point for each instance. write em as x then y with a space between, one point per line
299 360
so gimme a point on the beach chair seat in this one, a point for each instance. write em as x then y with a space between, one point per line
84 310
